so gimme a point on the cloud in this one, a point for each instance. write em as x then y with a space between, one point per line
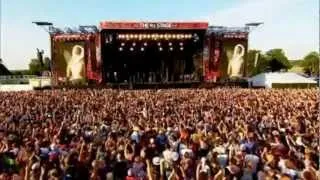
288 24
251 11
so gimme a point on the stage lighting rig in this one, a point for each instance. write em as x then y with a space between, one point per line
89 28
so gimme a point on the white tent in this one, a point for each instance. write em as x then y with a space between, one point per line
284 78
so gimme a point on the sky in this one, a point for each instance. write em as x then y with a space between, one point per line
292 25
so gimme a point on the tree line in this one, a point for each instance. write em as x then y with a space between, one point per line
276 60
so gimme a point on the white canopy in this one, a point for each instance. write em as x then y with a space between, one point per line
267 79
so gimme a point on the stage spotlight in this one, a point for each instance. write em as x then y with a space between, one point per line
159 43
170 43
145 44
142 49
181 44
181 48
171 48
131 36
161 36
131 49
133 44
166 36
160 49
148 36
156 36
120 48
182 36
169 36
136 36
122 44
174 36
144 36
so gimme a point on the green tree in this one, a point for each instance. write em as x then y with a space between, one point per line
277 60
36 67
46 64
311 63
256 62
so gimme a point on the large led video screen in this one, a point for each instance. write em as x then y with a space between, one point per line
69 62
233 58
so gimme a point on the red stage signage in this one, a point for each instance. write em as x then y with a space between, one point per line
154 25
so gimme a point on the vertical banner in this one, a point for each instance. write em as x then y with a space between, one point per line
213 57
206 57
98 64
94 71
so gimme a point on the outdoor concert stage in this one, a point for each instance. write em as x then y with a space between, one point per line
148 54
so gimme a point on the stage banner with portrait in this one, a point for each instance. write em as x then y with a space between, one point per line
212 59
233 58
69 62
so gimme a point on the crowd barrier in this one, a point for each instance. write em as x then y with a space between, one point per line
15 87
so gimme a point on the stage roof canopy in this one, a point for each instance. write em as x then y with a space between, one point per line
154 25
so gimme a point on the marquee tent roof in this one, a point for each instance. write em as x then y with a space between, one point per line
267 79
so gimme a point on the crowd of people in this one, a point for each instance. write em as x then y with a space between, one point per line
176 134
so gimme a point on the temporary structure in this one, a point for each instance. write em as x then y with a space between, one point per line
281 80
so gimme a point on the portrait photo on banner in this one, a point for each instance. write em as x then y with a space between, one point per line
70 61
233 59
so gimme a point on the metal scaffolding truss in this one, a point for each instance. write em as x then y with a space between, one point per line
225 30
77 30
